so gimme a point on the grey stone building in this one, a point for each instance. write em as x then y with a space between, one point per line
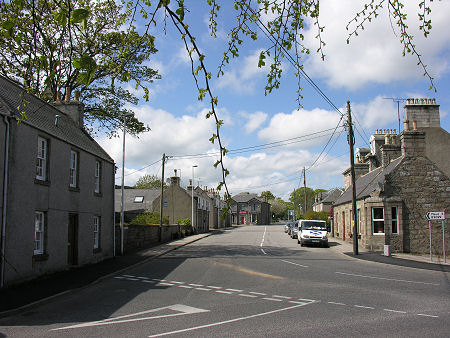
250 209
323 201
407 176
57 203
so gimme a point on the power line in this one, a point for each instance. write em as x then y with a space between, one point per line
137 170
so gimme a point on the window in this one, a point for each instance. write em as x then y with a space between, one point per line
96 232
39 233
394 224
378 220
138 199
73 169
358 213
41 159
97 175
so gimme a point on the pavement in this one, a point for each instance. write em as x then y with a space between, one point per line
20 296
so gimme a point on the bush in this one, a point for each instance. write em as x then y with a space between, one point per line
184 221
149 218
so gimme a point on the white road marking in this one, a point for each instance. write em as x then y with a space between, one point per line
149 281
203 289
284 297
225 292
263 251
196 284
336 303
227 321
396 311
364 307
119 277
157 279
234 290
295 302
258 293
143 277
383 278
133 279
165 284
174 282
264 235
307 300
424 315
249 296
185 286
273 299
303 266
181 309
214 287
127 276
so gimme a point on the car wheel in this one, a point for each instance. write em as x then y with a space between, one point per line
298 242
302 244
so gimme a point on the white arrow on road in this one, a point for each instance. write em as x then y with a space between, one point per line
179 308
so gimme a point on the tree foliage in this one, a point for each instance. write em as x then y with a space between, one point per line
148 182
279 208
149 218
267 195
52 46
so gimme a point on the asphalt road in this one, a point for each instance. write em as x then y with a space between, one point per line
252 281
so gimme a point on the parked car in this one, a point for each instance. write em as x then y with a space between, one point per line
312 232
294 230
288 225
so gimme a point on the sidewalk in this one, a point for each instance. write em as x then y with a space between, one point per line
28 293
399 259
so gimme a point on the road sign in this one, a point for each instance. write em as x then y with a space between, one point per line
435 215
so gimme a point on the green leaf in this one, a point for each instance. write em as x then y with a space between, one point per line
78 15
84 62
60 17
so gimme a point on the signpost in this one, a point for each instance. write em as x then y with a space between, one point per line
437 216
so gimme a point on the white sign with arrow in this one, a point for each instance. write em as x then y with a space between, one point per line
435 215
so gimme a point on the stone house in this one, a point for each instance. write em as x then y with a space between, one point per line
250 209
204 216
406 178
218 220
57 203
323 201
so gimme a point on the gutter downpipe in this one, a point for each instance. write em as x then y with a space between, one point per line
5 196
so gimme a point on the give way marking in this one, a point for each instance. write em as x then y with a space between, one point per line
179 309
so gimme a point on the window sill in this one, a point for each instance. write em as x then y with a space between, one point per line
98 194
40 257
41 182
74 189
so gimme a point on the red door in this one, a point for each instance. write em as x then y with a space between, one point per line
242 219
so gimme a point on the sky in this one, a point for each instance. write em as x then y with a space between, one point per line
368 72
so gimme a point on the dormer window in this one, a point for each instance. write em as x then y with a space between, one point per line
138 199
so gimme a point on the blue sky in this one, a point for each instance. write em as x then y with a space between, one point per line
365 72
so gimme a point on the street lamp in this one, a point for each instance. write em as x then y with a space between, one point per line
192 193
124 117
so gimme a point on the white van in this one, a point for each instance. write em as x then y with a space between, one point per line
312 231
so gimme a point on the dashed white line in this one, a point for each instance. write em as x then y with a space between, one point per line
262 250
284 297
119 277
295 302
149 281
127 276
158 280
249 296
196 285
133 279
264 235
425 315
203 289
143 277
165 284
258 293
364 307
306 300
334 303
174 282
214 287
273 299
225 292
396 311
303 266
185 286
383 278
234 290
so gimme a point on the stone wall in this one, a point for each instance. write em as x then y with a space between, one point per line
423 188
138 237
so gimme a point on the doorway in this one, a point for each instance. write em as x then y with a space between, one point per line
242 219
72 240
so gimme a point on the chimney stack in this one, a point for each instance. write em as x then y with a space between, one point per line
74 109
424 111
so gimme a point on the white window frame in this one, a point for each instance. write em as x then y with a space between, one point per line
394 220
378 220
73 175
41 159
96 230
97 175
39 232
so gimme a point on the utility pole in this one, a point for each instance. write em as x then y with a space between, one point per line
351 141
304 189
162 198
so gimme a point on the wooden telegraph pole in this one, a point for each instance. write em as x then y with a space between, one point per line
162 198
304 189
351 141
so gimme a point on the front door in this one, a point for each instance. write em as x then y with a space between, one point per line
72 240
242 219
343 226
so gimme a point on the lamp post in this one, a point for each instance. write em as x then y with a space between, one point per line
192 193
124 117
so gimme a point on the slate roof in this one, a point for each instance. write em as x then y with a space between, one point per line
41 115
331 195
128 199
368 183
244 198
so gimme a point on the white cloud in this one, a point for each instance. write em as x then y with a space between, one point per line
254 121
299 123
378 113
375 56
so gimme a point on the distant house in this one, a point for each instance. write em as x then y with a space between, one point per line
218 220
323 201
57 183
406 176
250 209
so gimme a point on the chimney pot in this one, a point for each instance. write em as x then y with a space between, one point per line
386 139
406 125
415 125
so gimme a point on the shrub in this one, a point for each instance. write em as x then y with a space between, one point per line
184 221
149 218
